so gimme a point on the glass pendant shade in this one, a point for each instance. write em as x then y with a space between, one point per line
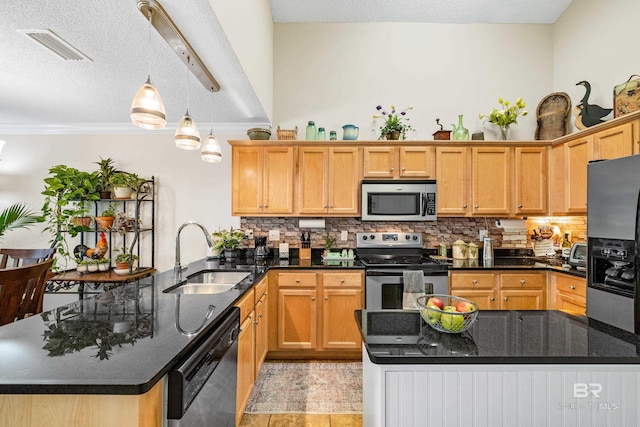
187 135
147 108
211 150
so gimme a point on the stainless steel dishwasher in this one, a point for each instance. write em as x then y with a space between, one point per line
202 388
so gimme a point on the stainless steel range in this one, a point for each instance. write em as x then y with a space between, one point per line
386 256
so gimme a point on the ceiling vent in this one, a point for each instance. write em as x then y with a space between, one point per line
55 44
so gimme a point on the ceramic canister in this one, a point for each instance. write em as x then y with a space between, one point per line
473 251
459 249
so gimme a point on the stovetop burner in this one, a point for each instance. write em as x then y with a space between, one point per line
395 250
399 260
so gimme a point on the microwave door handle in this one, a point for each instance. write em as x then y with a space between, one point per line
424 205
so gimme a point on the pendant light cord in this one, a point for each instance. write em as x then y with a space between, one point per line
188 92
148 50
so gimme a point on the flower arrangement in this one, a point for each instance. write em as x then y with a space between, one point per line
393 128
506 116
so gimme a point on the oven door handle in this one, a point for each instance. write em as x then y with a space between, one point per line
423 211
398 272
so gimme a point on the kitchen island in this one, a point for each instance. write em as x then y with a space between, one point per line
511 368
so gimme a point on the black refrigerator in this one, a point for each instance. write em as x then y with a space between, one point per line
613 196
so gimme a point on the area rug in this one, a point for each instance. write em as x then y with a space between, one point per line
314 387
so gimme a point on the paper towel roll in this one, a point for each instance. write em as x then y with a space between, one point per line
311 223
512 224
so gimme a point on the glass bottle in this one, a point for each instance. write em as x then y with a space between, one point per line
322 135
333 135
566 247
460 133
311 131
442 250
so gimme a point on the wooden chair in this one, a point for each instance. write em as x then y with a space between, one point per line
24 257
22 291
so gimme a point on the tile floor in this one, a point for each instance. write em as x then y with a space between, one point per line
301 420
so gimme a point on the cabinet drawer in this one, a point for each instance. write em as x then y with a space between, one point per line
571 286
337 280
260 289
297 279
246 304
472 281
522 280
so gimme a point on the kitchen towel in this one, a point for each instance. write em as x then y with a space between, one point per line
512 224
413 288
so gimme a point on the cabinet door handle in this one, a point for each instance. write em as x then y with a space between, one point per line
341 280
572 287
326 298
464 206
326 206
260 206
477 206
522 281
256 322
505 299
475 282
313 298
266 206
297 280
519 206
404 169
492 299
392 169
330 206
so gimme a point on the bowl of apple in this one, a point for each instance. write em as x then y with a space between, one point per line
447 313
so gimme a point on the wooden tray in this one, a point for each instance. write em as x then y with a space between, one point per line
553 116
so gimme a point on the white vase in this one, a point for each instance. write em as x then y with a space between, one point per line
122 192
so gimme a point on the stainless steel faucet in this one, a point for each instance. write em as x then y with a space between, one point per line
177 268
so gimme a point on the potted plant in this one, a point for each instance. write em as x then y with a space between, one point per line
104 264
104 222
329 243
82 266
229 241
92 266
105 173
393 128
17 216
67 193
124 184
125 222
125 259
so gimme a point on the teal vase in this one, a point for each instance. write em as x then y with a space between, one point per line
460 133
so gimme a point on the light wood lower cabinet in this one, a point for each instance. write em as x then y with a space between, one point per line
95 410
315 311
515 290
252 342
568 293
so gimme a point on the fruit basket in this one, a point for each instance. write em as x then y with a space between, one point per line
447 313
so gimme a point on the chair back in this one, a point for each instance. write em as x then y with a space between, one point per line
22 291
23 257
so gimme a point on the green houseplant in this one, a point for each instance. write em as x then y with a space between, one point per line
67 192
124 184
125 259
229 241
105 173
17 216
104 222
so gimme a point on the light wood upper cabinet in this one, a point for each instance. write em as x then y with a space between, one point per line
491 180
262 180
329 181
531 171
613 143
398 162
452 177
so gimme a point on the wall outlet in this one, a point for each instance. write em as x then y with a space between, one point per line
344 236
274 235
482 234
248 234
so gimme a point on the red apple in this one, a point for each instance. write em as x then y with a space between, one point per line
464 307
436 302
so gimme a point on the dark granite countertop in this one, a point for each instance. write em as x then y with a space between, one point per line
497 337
517 263
78 348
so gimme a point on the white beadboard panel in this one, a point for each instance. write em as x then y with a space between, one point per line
503 395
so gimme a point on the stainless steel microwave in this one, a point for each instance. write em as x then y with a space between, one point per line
399 200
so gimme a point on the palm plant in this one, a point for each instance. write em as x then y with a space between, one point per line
17 216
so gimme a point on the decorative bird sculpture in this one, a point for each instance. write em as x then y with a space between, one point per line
587 114
101 248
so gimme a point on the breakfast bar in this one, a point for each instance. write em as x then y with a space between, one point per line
511 368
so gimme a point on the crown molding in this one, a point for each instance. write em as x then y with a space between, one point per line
122 128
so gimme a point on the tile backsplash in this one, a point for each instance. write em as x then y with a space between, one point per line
447 229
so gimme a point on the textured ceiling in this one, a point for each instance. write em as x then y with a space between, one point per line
41 92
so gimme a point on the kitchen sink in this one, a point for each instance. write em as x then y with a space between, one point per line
210 282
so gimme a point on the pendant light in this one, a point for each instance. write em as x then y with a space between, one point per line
147 108
211 151
187 134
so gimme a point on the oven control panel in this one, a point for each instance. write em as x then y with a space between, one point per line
389 239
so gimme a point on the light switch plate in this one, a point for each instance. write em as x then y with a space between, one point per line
344 236
274 235
482 234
